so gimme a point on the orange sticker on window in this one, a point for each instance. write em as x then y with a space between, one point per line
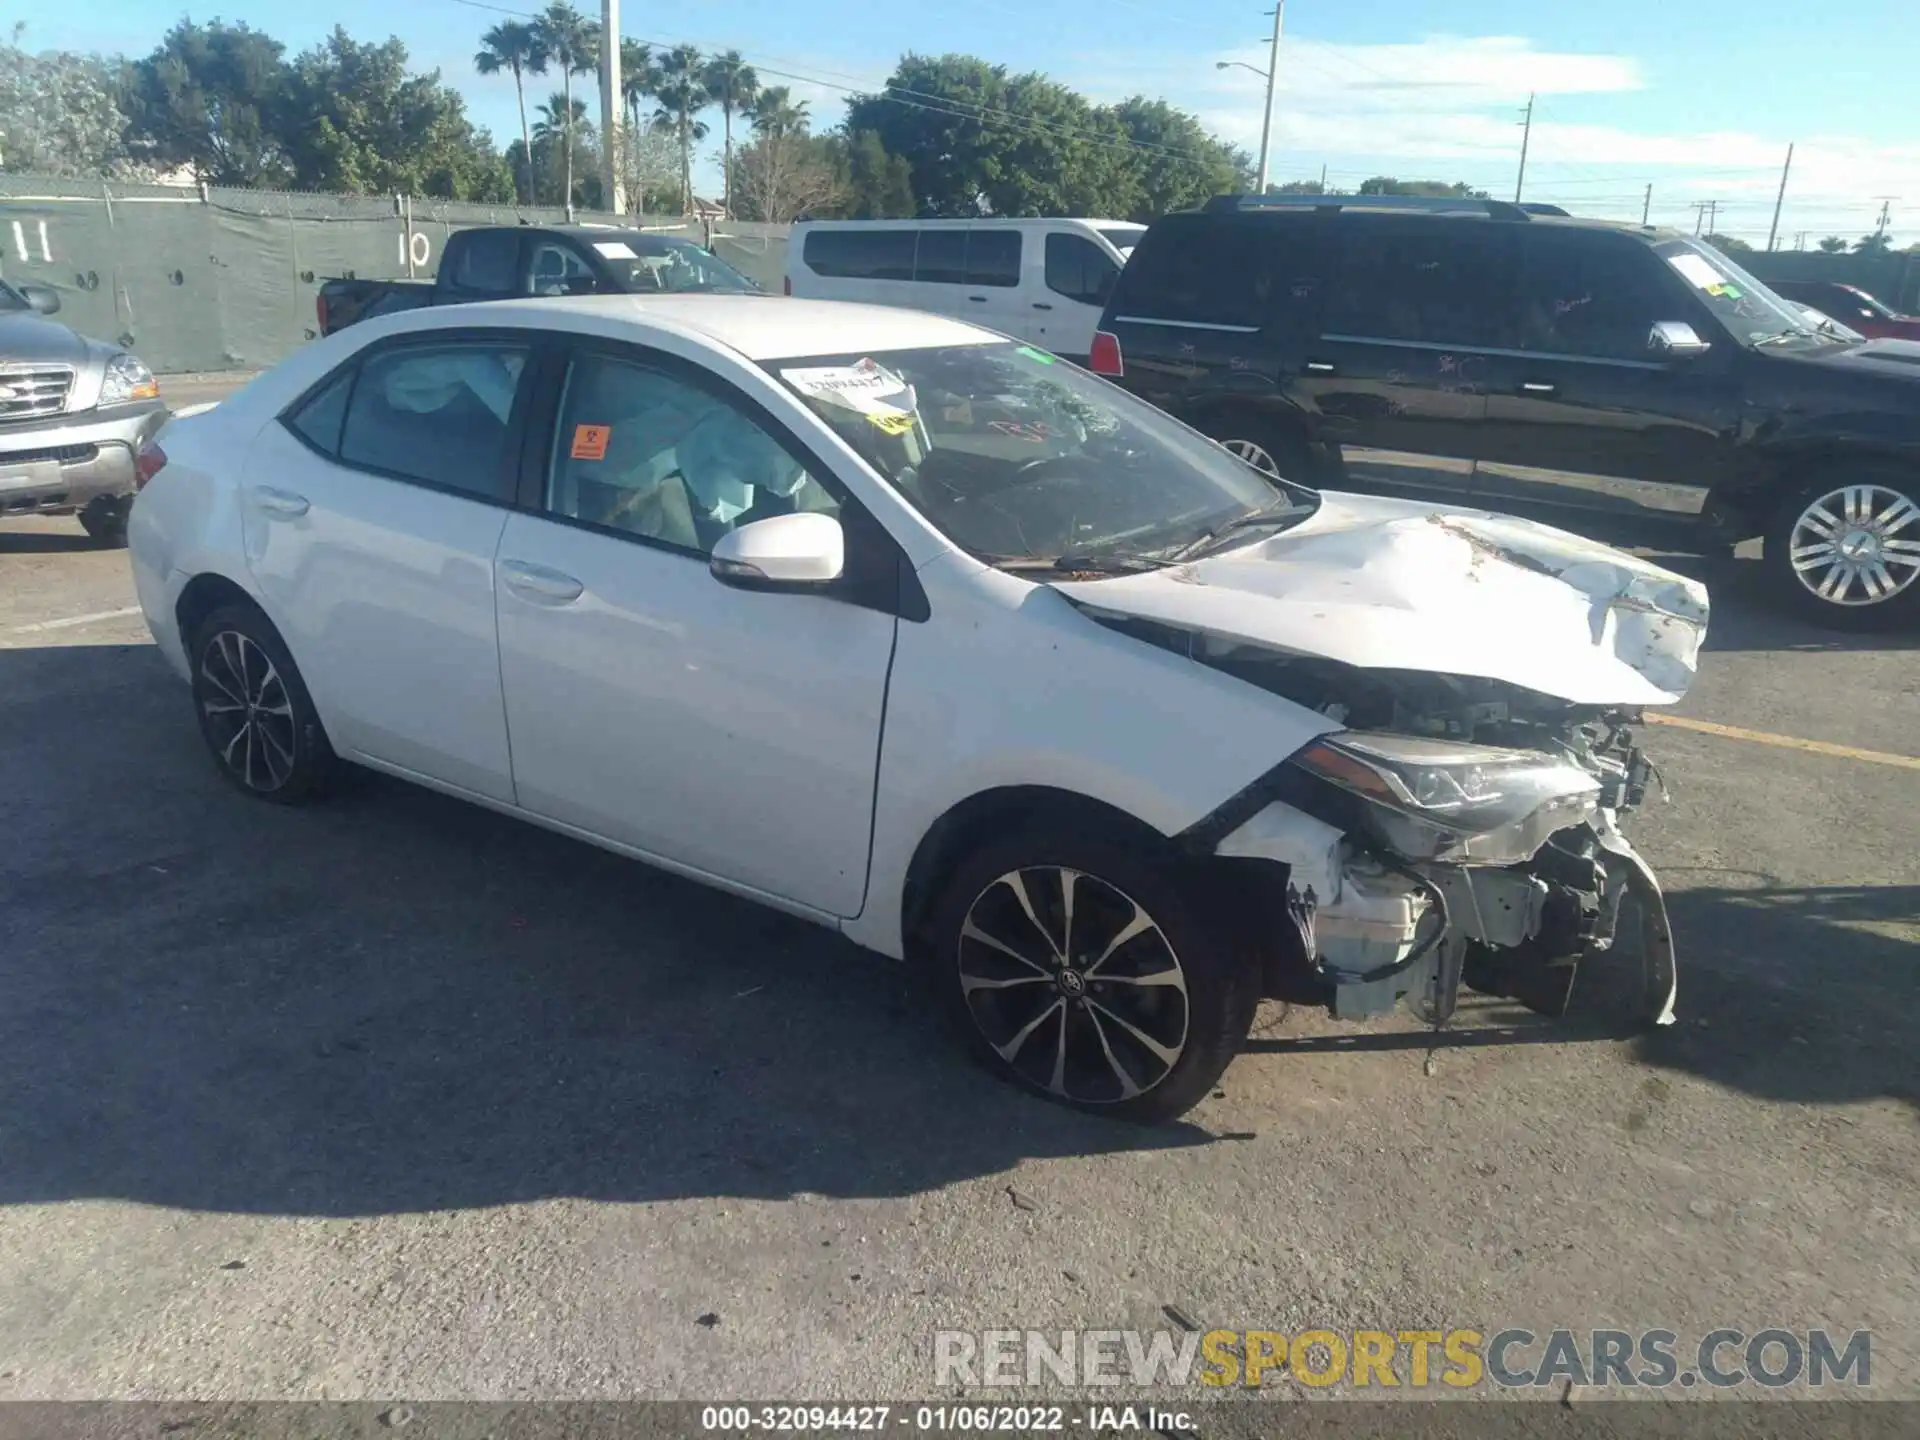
590 441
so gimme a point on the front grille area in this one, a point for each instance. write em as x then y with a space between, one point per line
30 392
64 454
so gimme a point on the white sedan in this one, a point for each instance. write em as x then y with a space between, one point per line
918 632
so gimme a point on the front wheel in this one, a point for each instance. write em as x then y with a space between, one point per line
1844 549
1089 970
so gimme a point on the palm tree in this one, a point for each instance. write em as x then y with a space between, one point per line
518 48
637 74
775 112
733 86
681 89
571 43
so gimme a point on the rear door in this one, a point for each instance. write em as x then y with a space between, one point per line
371 515
1399 373
1077 278
1581 414
994 294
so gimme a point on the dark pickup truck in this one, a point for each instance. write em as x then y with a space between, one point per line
506 262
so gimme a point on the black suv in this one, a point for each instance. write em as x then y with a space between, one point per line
1629 383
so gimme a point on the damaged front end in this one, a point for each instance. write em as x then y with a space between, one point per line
1460 832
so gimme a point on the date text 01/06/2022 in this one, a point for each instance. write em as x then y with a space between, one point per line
951 1419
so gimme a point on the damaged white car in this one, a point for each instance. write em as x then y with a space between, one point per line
924 634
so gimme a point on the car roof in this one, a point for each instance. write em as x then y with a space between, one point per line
760 327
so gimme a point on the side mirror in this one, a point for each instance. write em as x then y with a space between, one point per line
43 298
805 548
1676 340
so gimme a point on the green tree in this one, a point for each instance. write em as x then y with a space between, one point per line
369 127
734 86
213 96
681 89
515 47
878 185
776 112
571 44
60 113
1729 244
1298 187
1874 244
637 76
1439 189
784 174
1175 164
1833 245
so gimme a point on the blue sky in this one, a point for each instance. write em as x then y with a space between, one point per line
1698 98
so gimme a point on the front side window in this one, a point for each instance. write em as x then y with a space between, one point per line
1079 269
1592 295
557 269
649 454
642 264
1023 459
437 414
1428 281
1751 312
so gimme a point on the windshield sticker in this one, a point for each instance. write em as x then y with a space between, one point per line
866 388
1697 271
590 442
1033 354
615 249
891 422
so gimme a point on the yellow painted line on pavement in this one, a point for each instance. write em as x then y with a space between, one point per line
1786 742
66 622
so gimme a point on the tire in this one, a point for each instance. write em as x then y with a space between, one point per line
1141 1032
105 521
1270 448
254 711
1868 509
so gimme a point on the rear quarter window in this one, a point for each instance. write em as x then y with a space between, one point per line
860 254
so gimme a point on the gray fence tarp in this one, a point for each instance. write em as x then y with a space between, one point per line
194 280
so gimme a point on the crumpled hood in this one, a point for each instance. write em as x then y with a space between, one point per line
1394 584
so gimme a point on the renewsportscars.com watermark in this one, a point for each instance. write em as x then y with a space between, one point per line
1458 1359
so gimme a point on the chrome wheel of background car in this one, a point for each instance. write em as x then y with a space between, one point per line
1254 453
248 712
1857 545
1073 984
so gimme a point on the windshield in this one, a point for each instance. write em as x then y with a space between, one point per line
1021 458
656 264
1749 310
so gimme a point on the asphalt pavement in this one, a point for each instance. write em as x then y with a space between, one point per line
395 1097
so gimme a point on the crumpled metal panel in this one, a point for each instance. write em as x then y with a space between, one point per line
1392 584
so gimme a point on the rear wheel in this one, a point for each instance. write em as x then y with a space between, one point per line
104 518
1844 549
1269 448
254 710
1086 969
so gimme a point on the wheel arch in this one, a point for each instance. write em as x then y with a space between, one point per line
1745 505
206 593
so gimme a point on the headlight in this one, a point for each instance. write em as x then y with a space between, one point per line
1436 800
127 380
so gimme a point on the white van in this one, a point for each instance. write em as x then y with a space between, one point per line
1040 280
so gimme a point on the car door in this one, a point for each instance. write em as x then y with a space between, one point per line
1079 277
1399 372
1582 415
734 733
995 294
371 515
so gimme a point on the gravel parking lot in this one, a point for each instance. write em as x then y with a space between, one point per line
397 1097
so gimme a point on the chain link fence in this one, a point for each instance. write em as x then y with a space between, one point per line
213 279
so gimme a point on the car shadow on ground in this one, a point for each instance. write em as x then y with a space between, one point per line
398 1002
46 542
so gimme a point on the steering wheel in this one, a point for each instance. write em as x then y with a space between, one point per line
1028 471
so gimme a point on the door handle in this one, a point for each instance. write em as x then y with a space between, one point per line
1041 305
1538 387
1319 367
539 584
978 299
281 502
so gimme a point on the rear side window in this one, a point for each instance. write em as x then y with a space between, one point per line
941 258
437 414
1593 295
317 419
1229 270
1079 269
993 258
485 264
1435 282
860 254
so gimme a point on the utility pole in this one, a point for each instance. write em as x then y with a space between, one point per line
1526 137
1646 210
1886 214
1781 198
1702 210
1273 73
613 192
1323 177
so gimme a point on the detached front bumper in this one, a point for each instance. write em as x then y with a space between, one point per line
1579 928
57 466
